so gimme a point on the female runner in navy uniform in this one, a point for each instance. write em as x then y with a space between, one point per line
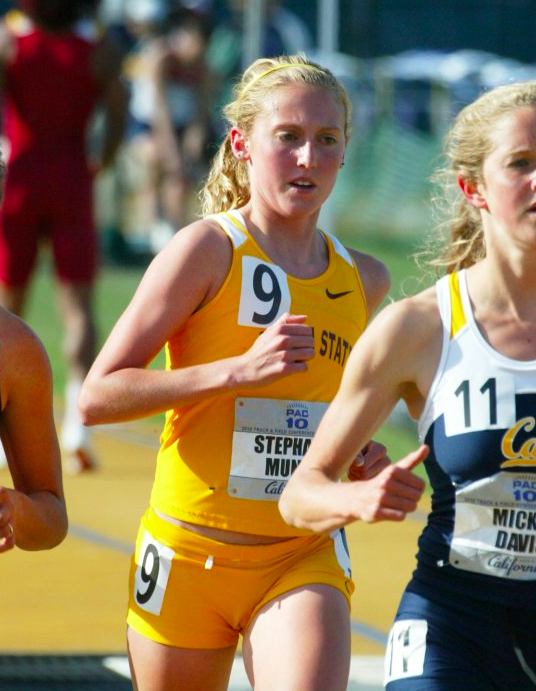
462 355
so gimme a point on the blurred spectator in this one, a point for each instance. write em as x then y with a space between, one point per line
111 16
145 22
184 92
170 114
56 72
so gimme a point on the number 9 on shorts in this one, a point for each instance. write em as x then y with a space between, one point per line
152 573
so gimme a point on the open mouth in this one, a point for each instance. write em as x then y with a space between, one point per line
302 185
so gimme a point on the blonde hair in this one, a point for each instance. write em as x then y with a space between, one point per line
467 145
227 185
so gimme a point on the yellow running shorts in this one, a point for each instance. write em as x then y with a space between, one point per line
190 591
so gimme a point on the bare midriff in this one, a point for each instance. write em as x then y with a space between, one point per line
229 536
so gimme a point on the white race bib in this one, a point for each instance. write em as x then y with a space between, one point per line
406 649
152 574
264 295
269 440
495 527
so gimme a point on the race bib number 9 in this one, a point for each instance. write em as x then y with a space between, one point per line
265 294
150 581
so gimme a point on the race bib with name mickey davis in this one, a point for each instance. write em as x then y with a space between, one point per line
495 527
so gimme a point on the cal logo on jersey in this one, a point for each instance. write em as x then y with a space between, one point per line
518 450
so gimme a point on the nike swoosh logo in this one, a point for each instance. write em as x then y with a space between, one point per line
334 296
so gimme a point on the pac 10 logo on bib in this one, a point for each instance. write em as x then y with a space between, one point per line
524 491
297 416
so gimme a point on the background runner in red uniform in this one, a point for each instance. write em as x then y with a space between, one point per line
55 70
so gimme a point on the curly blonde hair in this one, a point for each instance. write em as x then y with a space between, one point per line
460 242
227 185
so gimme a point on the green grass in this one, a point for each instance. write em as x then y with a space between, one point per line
114 289
396 252
399 441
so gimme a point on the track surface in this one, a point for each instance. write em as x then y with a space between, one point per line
71 601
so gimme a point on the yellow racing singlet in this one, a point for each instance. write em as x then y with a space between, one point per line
224 461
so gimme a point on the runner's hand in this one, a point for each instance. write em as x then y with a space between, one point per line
393 493
282 349
371 460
